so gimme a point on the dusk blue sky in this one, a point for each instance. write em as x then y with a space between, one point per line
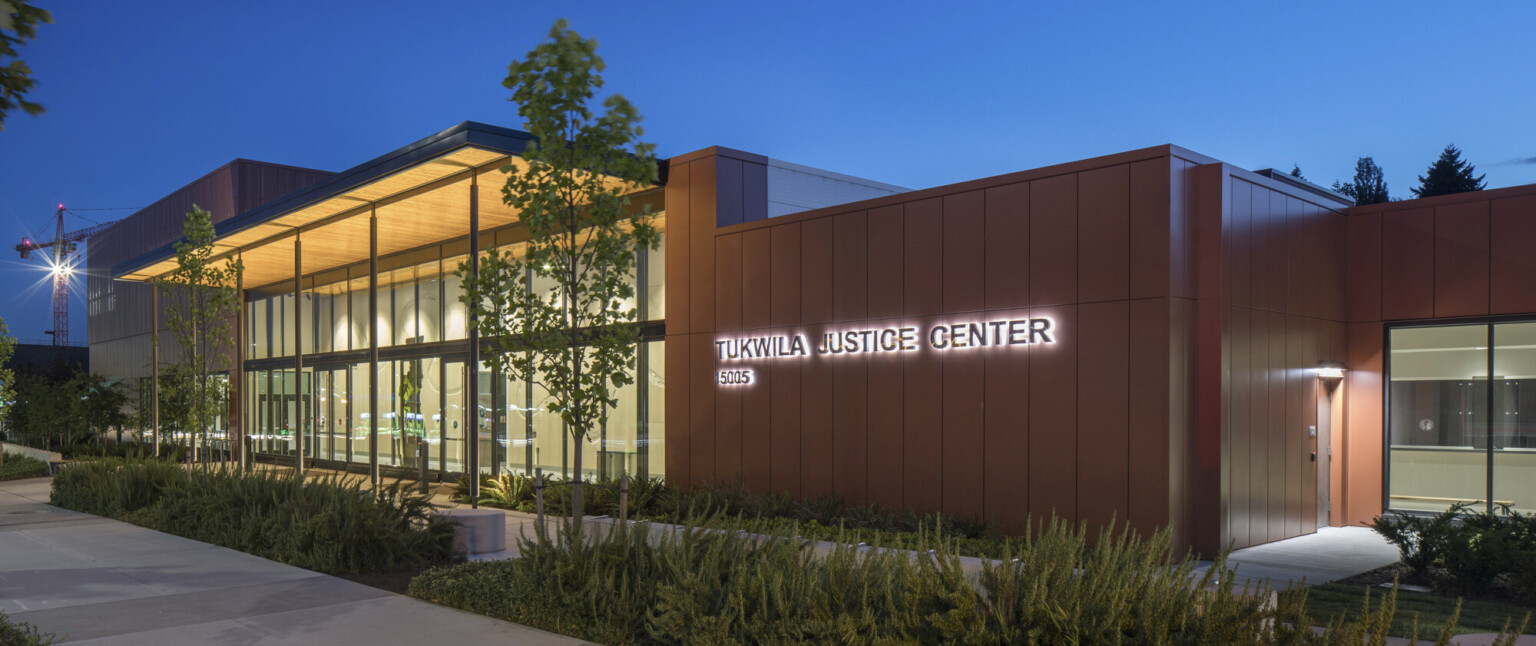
143 98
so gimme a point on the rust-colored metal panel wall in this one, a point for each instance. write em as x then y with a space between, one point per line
1053 427
1364 235
1053 240
784 420
924 250
678 234
755 279
887 256
1103 413
1240 508
1150 215
1461 259
816 428
1363 446
923 428
816 271
756 435
1408 264
887 414
850 266
1283 253
1150 371
963 442
1238 243
851 429
1007 246
1103 266
678 414
1296 385
1513 266
1182 228
1008 433
701 245
1259 512
816 443
701 401
728 285
1005 460
784 273
964 269
728 432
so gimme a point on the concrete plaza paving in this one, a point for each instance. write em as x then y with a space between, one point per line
92 580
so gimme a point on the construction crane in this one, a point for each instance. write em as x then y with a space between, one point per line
62 267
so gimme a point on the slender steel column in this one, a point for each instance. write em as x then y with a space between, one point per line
154 364
472 328
373 345
298 352
237 371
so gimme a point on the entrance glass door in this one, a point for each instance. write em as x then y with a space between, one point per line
452 451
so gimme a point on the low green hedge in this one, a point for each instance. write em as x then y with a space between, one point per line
1464 552
700 586
328 525
19 466
20 633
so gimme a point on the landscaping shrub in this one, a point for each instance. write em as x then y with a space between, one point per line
19 466
1462 552
20 633
168 452
631 585
328 525
728 505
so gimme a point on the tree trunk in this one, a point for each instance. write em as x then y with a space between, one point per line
576 492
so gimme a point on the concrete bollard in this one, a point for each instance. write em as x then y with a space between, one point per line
477 531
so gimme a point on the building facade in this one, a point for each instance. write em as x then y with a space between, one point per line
1153 336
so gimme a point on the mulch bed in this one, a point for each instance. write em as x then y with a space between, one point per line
1498 590
396 582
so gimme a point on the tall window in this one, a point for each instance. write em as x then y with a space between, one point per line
1461 416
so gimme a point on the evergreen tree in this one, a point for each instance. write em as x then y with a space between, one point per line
1449 174
1369 187
1296 172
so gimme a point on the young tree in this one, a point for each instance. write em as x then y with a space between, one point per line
102 403
18 24
578 338
1449 174
1369 187
203 303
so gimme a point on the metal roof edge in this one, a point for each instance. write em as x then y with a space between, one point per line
466 133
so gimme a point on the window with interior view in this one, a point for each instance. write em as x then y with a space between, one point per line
1461 416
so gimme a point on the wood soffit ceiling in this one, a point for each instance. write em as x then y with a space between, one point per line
416 206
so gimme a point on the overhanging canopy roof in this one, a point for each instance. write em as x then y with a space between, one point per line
420 194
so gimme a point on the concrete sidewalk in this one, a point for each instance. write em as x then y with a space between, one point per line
1331 554
92 580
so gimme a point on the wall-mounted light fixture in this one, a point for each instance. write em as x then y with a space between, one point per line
1330 373
1329 370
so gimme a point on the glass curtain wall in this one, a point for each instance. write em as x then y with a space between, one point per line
1461 416
421 380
